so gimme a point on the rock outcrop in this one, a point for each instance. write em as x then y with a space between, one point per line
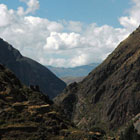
110 95
26 114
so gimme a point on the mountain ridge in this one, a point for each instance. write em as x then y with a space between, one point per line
109 96
68 80
79 71
29 114
29 71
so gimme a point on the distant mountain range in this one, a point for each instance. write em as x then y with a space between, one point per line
29 71
79 71
105 105
69 80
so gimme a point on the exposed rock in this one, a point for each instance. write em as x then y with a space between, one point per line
137 123
24 111
28 114
109 96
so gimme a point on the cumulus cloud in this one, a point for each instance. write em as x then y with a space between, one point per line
7 16
73 26
132 21
92 45
63 43
32 6
43 24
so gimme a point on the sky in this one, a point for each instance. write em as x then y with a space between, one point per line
67 33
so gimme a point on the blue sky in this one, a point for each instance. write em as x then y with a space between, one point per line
67 33
87 11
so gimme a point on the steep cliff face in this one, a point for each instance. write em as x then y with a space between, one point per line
28 114
110 95
29 71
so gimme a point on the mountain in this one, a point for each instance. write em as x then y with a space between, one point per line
29 114
68 80
79 71
109 96
29 71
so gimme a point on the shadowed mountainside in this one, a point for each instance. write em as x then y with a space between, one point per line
110 95
29 71
30 115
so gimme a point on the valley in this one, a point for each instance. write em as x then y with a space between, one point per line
104 105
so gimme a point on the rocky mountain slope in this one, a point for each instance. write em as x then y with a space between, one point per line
28 114
110 95
29 71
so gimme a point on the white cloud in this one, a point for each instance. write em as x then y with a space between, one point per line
79 60
32 6
7 16
20 11
73 26
132 21
129 22
63 43
37 22
90 46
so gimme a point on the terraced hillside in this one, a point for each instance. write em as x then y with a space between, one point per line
28 114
